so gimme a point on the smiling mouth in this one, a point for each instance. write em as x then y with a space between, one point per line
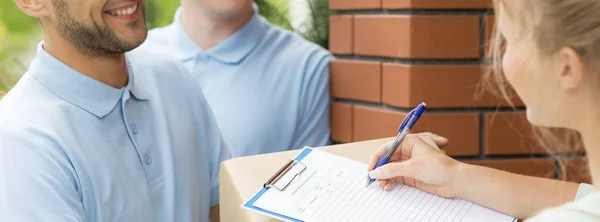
123 11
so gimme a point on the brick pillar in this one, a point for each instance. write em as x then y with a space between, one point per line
392 55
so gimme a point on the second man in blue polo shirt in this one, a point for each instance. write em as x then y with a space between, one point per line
268 88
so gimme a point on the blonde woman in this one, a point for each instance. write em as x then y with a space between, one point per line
551 57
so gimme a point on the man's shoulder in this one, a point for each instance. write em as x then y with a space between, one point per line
26 100
158 42
159 37
30 113
153 61
293 46
161 71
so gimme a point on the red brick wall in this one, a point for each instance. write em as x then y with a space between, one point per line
392 55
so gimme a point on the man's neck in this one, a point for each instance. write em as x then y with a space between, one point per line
206 30
110 70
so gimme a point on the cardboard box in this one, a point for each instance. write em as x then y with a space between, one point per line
243 177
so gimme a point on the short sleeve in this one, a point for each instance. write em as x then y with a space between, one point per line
38 182
217 149
220 154
314 129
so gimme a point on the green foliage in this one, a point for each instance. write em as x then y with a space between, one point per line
317 31
18 34
160 13
276 12
319 27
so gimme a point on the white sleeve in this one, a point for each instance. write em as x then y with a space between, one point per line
562 214
584 189
583 210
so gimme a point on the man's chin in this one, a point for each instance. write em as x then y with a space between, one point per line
130 43
225 13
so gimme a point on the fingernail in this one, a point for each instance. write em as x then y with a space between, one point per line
375 173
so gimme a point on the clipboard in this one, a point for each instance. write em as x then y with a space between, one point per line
280 180
312 202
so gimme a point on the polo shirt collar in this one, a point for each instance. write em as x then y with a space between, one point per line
78 89
231 50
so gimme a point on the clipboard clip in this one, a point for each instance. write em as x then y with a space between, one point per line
284 177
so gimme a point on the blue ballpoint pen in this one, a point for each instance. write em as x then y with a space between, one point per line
406 125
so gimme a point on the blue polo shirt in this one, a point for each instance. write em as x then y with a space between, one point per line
268 88
75 149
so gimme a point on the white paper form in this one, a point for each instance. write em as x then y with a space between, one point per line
332 188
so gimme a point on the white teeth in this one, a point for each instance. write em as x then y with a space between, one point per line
131 9
127 11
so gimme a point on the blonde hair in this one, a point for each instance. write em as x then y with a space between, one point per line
551 25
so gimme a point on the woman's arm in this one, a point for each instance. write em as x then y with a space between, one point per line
421 164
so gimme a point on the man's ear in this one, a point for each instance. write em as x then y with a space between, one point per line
572 69
33 8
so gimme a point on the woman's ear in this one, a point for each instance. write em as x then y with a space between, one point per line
572 68
33 8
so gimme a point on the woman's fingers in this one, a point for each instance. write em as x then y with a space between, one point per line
391 170
438 140
377 155
404 152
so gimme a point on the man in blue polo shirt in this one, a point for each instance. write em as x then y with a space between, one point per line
91 133
268 88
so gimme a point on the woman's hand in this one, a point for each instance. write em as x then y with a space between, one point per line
418 164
